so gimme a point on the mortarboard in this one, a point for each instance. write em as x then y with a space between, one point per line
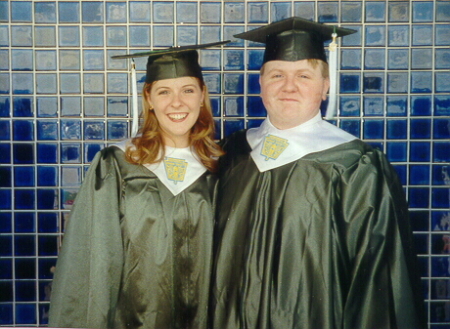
169 63
173 62
295 39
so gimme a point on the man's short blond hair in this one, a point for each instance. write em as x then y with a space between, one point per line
313 62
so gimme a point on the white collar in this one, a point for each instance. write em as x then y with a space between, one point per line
273 148
178 170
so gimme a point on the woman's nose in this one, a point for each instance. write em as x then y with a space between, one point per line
176 100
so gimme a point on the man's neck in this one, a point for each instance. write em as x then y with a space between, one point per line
290 125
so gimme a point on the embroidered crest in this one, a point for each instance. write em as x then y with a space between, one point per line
273 147
175 169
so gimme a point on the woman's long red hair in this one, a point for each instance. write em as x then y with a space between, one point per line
149 141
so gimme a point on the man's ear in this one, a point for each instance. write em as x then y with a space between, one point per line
261 72
326 88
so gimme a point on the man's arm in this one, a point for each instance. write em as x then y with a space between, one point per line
384 288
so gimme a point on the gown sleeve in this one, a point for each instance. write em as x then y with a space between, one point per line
87 278
384 288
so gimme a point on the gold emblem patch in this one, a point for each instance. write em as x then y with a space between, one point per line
273 147
175 169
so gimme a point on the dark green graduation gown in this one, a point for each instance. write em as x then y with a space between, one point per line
321 242
134 255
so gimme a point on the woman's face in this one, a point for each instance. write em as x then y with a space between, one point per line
176 103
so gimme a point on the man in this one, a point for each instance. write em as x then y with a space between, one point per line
312 228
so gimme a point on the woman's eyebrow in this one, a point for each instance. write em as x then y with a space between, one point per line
162 87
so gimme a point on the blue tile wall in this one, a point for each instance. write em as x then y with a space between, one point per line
62 99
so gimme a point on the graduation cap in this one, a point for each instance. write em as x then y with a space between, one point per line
295 39
169 63
173 62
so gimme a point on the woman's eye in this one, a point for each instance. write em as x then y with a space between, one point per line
189 91
163 92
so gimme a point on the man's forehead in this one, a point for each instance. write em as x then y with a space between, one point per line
278 65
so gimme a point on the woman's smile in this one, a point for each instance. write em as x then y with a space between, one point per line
177 117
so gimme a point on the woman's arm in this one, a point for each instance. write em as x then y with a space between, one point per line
88 271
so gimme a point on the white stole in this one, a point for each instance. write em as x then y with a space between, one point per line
273 148
178 170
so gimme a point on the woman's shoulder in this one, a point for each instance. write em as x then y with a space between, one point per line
113 157
109 155
113 151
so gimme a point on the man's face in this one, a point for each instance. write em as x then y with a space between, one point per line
292 91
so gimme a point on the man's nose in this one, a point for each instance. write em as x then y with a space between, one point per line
289 84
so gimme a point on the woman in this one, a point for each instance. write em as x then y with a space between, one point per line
137 250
